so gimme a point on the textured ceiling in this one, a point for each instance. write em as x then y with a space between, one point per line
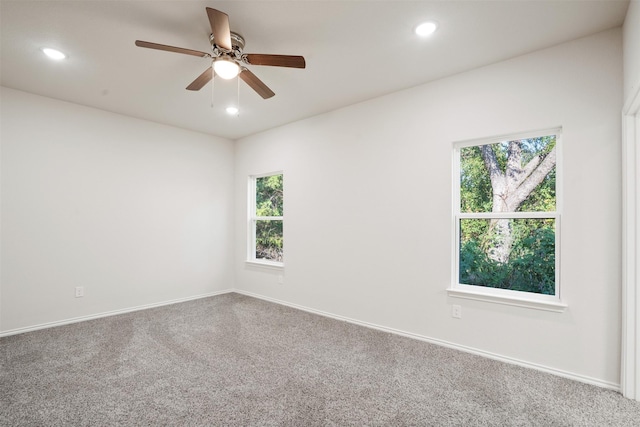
355 50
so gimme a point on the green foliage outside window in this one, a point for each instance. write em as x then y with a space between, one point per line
512 176
269 203
531 266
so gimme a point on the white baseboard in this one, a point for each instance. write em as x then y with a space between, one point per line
494 356
108 313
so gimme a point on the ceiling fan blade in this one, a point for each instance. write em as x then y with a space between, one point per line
158 46
256 84
220 28
276 60
202 80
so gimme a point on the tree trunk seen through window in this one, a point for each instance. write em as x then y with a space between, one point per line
511 187
501 178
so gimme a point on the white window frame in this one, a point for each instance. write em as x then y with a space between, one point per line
496 295
252 220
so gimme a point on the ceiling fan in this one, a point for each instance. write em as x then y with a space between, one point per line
228 58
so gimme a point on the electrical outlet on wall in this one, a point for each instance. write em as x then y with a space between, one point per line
456 312
79 291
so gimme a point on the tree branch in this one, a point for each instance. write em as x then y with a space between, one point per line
514 161
491 162
530 167
536 176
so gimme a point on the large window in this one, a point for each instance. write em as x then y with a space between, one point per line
266 214
506 217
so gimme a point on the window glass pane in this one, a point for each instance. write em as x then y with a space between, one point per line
515 254
269 240
269 196
509 176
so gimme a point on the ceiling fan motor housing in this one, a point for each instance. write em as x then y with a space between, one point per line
237 42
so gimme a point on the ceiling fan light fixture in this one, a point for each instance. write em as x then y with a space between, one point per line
225 68
232 111
53 53
426 28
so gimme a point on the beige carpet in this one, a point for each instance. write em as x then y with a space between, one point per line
233 360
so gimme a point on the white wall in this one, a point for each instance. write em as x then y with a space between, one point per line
134 211
632 48
631 211
368 207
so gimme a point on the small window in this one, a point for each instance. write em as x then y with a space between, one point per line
507 218
266 216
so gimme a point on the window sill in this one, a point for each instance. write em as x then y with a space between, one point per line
553 306
264 265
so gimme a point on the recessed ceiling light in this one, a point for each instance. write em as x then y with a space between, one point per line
53 53
232 111
426 28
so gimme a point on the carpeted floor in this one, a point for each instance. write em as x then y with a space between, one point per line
232 360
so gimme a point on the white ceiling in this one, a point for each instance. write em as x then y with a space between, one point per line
355 50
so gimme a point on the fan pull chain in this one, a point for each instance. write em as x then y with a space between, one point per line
238 103
213 79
